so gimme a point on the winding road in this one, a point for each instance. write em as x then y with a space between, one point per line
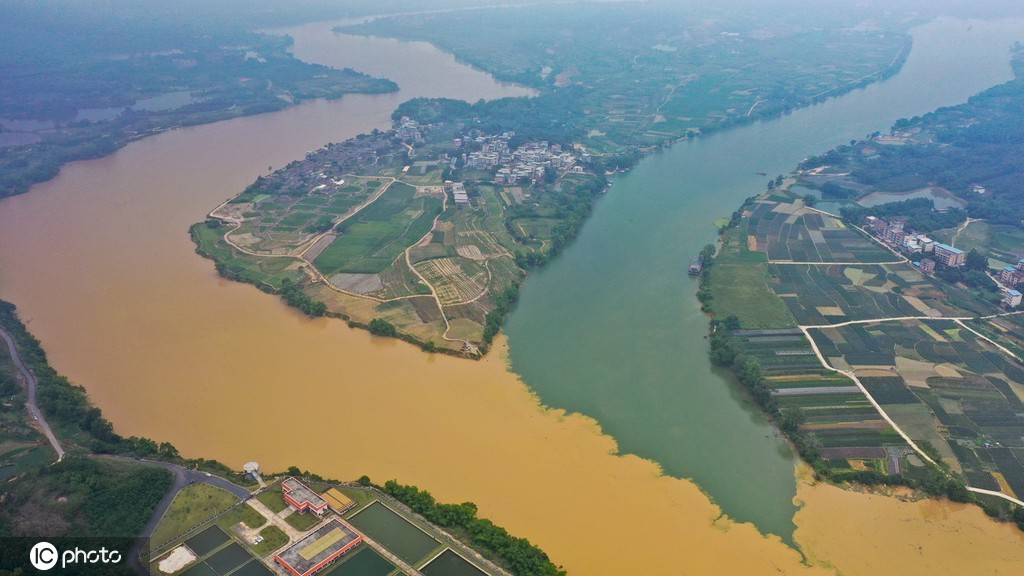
30 382
183 477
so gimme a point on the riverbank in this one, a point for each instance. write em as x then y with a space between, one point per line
854 385
67 100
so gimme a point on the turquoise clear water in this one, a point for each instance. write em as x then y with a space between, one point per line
611 328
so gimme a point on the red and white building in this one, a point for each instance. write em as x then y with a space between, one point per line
318 550
301 498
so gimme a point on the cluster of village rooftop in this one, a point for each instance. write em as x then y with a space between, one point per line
894 233
527 162
481 151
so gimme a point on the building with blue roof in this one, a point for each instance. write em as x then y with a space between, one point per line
949 256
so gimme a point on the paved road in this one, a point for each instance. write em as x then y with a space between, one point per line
30 386
182 477
276 520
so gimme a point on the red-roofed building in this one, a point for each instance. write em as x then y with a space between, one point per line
301 498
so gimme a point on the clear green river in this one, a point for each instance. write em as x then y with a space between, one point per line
612 328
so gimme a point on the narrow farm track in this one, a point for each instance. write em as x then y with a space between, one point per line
433 291
311 248
852 376
310 243
961 229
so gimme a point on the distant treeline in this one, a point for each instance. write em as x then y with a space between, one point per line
60 59
554 117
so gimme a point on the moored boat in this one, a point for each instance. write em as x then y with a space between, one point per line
696 265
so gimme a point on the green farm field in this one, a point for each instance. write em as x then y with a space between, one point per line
371 240
269 271
192 506
742 288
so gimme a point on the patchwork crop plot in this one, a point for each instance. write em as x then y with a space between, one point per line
953 389
835 412
936 375
283 222
369 242
456 280
791 233
820 294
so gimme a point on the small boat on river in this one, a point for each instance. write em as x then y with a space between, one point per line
696 265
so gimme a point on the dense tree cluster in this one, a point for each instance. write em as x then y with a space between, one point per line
554 116
382 327
920 214
294 296
97 504
502 306
573 205
834 191
518 554
79 500
980 143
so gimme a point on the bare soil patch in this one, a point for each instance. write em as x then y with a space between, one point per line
176 560
358 283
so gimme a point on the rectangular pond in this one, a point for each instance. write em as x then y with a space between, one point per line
393 532
448 563
365 562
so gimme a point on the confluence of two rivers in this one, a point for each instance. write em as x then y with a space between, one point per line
99 262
